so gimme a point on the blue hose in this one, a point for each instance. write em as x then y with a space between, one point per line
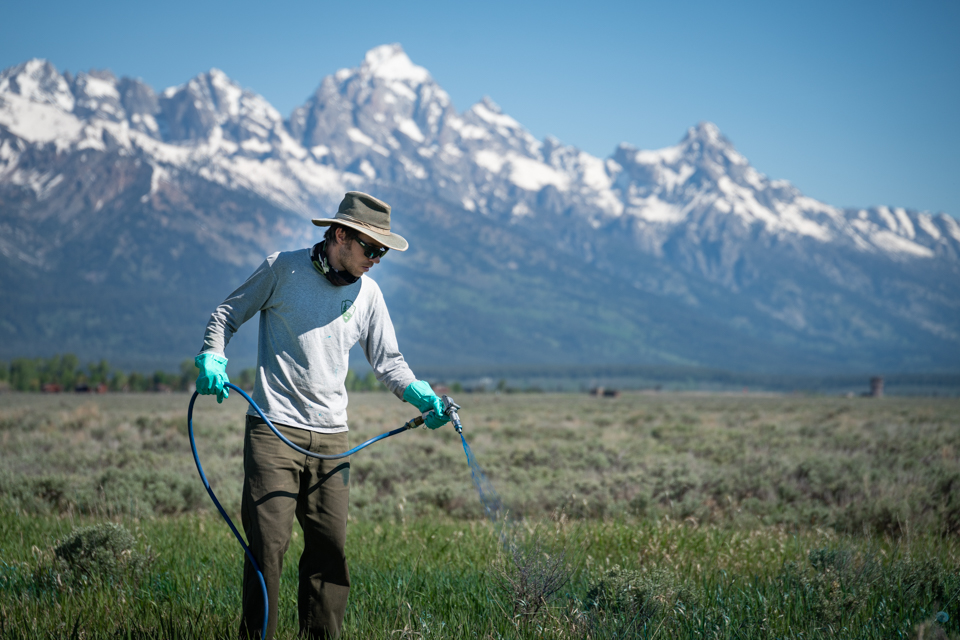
206 483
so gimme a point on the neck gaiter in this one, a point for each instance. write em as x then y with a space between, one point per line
318 255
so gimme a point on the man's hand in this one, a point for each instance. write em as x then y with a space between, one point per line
213 375
419 394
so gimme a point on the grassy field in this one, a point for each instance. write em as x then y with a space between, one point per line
654 515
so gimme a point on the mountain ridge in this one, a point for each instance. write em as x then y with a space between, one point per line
693 228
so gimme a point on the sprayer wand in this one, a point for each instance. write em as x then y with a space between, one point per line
450 408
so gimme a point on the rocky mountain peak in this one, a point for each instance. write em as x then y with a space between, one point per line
390 62
704 157
97 96
712 153
139 101
37 80
500 131
487 103
387 105
707 134
212 99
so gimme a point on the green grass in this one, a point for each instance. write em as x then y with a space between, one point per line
676 516
437 578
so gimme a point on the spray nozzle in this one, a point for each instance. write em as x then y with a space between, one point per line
450 409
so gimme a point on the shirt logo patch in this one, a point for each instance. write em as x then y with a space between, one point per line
346 310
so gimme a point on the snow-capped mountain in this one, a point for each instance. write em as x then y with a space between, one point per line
106 186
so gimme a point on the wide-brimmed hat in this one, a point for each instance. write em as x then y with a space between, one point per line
368 215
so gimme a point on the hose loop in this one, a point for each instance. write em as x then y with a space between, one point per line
206 483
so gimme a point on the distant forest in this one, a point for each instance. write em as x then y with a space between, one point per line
64 373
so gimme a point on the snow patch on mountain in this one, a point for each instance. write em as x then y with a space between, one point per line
925 221
953 228
390 62
98 88
532 175
891 242
653 209
488 111
38 122
410 129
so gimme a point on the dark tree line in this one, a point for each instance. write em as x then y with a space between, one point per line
65 373
62 373
368 382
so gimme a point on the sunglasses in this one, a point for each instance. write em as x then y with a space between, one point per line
371 251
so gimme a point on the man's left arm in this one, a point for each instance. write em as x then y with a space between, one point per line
379 344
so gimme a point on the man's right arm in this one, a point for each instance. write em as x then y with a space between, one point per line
241 305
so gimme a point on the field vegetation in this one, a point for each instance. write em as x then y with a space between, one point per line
646 515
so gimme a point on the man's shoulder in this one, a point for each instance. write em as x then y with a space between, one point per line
282 258
367 281
369 286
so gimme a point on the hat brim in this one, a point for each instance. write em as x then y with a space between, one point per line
390 240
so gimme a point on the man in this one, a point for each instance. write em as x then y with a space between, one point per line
314 305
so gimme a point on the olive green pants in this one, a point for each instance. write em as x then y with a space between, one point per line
278 484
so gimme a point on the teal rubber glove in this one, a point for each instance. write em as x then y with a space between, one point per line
419 394
213 375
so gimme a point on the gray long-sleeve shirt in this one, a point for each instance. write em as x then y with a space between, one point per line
307 327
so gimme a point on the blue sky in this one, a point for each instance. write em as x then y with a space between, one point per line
856 103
